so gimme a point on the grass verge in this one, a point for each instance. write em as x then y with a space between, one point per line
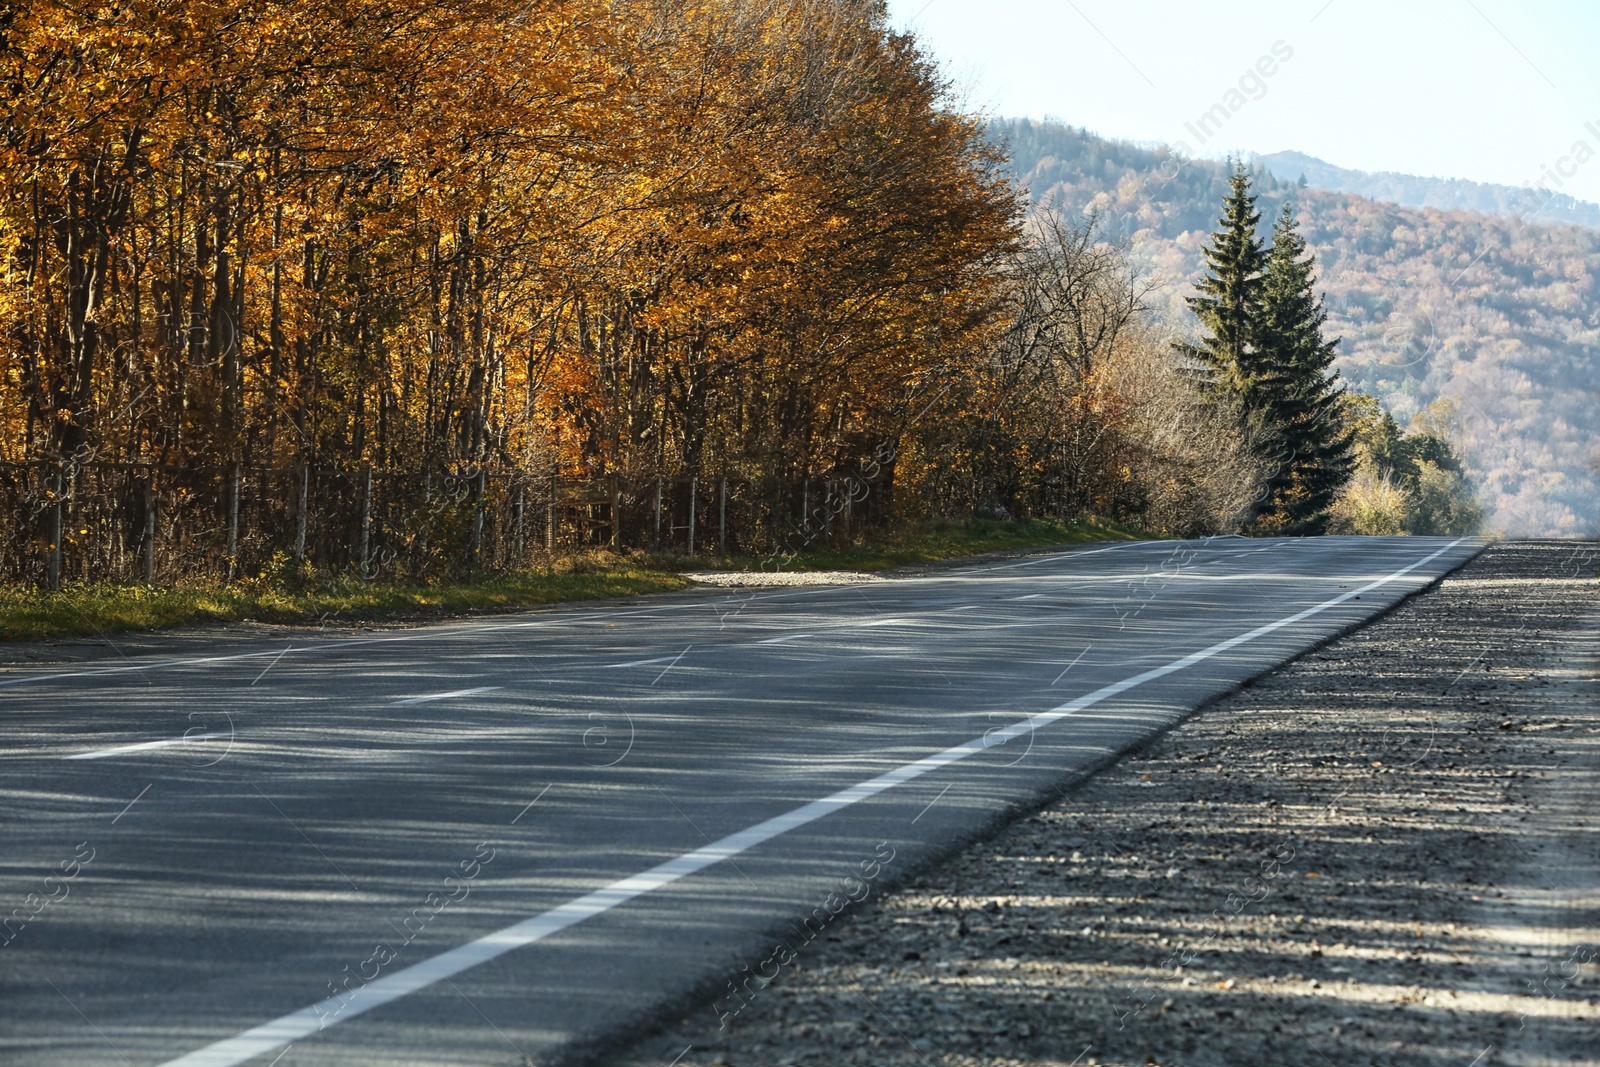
33 615
103 608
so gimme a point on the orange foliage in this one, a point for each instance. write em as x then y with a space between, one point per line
602 235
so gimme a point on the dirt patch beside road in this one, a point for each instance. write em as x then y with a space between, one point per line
1387 853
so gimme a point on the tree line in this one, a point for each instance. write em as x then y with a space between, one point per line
605 234
621 241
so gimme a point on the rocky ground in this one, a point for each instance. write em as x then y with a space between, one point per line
1387 853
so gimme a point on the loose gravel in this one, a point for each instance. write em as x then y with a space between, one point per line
738 579
1386 853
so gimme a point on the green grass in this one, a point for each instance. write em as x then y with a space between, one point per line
33 615
102 608
929 541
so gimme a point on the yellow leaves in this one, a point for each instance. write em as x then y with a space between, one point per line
618 213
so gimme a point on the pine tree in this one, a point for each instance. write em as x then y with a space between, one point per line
1264 358
1229 304
1234 370
1301 394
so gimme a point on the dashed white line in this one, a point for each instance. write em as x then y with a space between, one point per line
781 640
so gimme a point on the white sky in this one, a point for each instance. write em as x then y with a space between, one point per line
1491 90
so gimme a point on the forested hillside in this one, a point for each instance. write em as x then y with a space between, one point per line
1500 317
1547 205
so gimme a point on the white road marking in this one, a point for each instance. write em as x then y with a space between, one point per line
880 622
262 1039
143 746
967 607
781 640
1030 596
431 697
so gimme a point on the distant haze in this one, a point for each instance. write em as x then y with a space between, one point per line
1446 194
1492 90
1498 317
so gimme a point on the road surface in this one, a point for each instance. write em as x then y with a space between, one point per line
526 838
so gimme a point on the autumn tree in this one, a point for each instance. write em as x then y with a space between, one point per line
588 240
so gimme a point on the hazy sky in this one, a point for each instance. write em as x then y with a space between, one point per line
1492 90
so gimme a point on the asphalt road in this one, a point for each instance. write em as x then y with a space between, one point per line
526 838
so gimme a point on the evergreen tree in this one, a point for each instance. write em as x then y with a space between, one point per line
1300 393
1263 357
1234 370
1229 303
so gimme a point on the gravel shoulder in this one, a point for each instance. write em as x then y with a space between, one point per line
1386 853
772 579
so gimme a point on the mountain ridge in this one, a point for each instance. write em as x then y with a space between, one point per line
1498 316
1546 207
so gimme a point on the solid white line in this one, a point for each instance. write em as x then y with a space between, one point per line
431 697
143 746
307 1021
1192 576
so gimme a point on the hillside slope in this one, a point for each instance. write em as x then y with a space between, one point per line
1499 316
1447 194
